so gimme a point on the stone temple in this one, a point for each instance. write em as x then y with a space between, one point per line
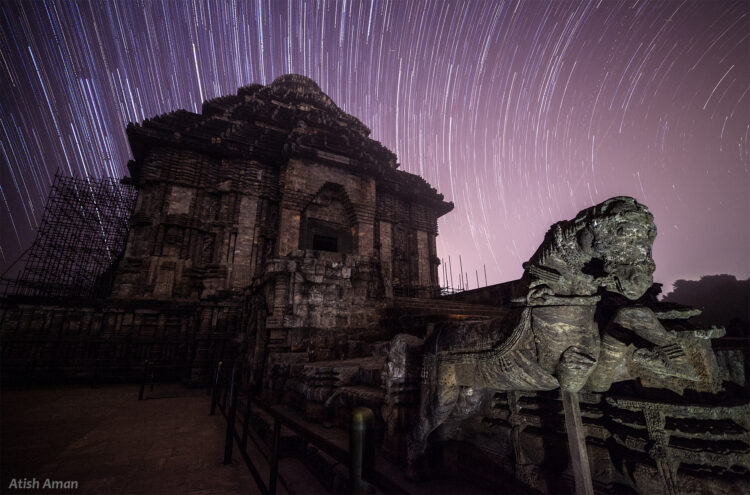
277 203
270 231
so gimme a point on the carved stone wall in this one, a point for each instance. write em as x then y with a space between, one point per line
276 196
194 226
646 445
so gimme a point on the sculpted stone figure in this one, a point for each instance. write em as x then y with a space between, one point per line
557 333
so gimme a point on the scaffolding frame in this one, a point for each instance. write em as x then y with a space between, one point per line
80 239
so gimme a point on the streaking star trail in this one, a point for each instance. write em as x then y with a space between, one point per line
522 113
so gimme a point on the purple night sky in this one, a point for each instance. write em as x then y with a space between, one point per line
521 113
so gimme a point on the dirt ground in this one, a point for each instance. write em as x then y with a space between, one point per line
106 441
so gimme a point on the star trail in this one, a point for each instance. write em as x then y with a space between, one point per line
522 113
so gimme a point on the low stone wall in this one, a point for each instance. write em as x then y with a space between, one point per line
668 444
53 340
500 294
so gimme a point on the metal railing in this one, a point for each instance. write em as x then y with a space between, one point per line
359 458
424 292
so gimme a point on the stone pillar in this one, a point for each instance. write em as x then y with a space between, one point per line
164 280
241 268
365 236
579 457
433 261
386 253
288 231
363 196
423 256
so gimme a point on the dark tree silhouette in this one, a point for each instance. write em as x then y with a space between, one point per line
724 300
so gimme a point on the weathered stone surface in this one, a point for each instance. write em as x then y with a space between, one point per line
270 229
268 204
606 246
583 319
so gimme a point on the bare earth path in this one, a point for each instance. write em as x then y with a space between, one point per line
111 443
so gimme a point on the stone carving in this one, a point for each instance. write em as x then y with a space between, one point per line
578 321
272 228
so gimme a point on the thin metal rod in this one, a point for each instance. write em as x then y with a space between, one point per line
143 381
485 274
451 267
461 266
246 422
231 415
275 456
215 395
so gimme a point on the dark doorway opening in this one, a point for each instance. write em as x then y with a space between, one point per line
325 243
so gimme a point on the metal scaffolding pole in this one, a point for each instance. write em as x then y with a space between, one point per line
81 237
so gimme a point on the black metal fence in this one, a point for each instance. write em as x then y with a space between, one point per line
26 362
227 397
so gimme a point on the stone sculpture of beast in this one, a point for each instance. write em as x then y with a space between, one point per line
550 336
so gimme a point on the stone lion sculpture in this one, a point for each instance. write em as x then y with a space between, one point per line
552 335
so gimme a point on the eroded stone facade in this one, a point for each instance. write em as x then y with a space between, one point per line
277 199
274 221
270 230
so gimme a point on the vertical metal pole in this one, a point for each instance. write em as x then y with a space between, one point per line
246 422
451 267
211 379
485 274
361 449
231 415
461 266
225 396
476 272
275 456
143 381
93 374
215 395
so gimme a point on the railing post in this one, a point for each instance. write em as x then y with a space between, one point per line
361 449
26 384
94 373
143 381
225 397
215 395
231 415
153 378
275 456
210 387
246 422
